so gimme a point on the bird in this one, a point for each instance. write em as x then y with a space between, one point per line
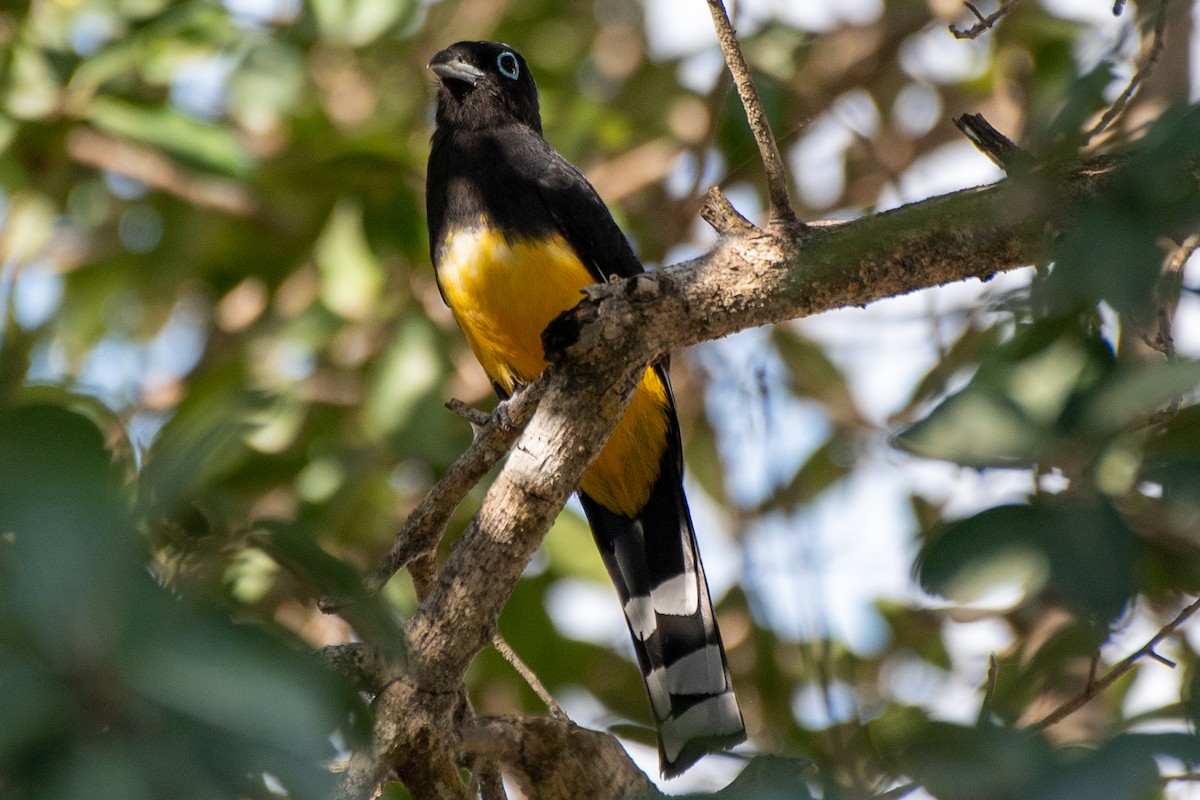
516 232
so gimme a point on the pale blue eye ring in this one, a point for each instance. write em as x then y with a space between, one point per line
506 62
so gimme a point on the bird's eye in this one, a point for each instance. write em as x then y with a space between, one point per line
506 62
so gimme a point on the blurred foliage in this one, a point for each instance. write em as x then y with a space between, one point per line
113 686
223 360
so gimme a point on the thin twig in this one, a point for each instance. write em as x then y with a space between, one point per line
1095 687
718 212
1144 71
1004 152
1182 776
777 189
530 677
424 526
470 413
984 23
985 708
1167 298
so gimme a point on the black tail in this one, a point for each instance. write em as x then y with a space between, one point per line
655 564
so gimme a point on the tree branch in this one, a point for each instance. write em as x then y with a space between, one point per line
781 211
552 758
1144 71
414 735
599 348
1098 685
569 427
362 663
764 279
425 525
984 23
529 676
1004 152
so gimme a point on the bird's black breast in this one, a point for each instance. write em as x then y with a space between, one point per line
474 178
511 177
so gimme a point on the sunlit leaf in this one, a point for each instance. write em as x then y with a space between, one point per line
204 145
351 277
358 22
1134 394
976 428
408 370
963 354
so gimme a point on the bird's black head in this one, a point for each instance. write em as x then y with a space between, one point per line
484 85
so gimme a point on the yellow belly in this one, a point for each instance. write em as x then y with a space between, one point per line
503 294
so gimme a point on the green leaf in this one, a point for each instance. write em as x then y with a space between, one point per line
828 464
976 428
704 461
964 354
1078 550
1132 394
204 145
1085 99
811 371
1112 252
1191 699
916 630
1122 769
572 551
1020 403
982 763
410 368
351 277
359 22
61 509
766 777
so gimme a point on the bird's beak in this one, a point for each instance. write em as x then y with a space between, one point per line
450 67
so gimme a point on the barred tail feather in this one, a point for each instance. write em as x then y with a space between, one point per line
654 563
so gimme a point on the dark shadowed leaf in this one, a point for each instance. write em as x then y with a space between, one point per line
1081 552
983 763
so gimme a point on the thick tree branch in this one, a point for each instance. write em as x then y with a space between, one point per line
363 664
412 736
552 758
763 279
570 426
424 527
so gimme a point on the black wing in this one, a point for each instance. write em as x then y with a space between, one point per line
576 209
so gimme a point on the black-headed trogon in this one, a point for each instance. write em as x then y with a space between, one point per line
515 233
